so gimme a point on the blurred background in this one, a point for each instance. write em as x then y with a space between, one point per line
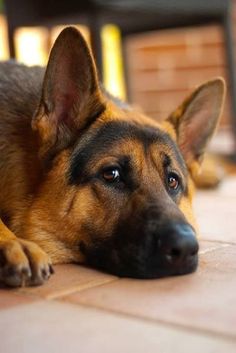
151 52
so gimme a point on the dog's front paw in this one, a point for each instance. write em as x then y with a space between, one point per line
23 263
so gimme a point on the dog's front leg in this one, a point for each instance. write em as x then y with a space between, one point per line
22 262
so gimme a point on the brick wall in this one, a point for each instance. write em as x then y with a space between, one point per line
164 66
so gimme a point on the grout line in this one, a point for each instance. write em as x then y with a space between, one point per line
138 317
64 292
175 325
79 288
202 238
217 196
202 252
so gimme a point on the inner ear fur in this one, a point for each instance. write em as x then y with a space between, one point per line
196 119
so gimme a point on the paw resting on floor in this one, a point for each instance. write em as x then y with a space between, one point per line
23 263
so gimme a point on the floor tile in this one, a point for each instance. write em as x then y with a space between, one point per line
206 246
205 300
227 187
216 216
8 298
56 327
67 279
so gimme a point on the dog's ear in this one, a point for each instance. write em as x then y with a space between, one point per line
71 97
195 121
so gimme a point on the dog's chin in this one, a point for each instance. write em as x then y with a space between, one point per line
135 265
157 271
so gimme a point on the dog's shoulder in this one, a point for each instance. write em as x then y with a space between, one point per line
20 88
13 72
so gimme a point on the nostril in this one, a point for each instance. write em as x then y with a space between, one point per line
175 252
178 245
183 249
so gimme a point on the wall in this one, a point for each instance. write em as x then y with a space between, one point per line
164 66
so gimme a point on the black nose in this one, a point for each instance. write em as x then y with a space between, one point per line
179 245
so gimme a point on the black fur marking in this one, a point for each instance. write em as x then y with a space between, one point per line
135 250
94 116
100 141
166 161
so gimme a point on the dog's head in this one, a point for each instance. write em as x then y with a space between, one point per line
117 189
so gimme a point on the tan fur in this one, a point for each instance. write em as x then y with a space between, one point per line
40 207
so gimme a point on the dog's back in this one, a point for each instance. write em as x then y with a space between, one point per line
20 88
19 94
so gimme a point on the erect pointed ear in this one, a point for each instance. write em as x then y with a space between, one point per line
195 121
71 97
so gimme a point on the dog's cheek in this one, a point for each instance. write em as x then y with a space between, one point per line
95 216
186 205
48 221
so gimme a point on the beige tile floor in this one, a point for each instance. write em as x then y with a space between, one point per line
83 310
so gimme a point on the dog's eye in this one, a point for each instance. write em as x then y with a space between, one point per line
111 175
173 181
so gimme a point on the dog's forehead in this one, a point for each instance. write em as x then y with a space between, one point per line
121 136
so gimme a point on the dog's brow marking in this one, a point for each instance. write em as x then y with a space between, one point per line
95 116
166 160
101 140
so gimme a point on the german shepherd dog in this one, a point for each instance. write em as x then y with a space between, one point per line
86 179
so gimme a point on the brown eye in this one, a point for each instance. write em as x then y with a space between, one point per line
173 181
111 175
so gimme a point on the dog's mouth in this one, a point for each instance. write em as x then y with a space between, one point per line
136 260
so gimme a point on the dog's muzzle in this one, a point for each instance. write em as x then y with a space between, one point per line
151 249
